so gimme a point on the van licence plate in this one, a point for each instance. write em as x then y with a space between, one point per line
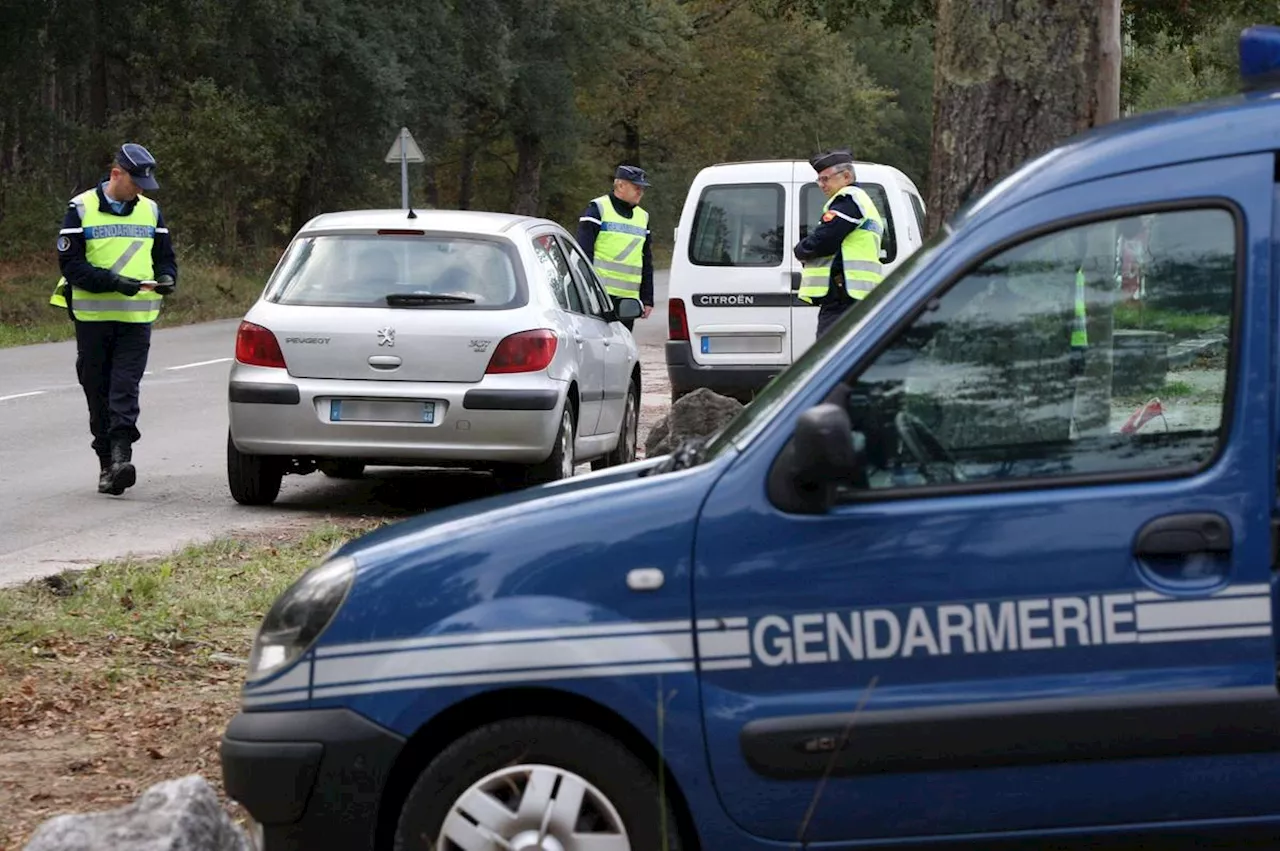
741 344
381 411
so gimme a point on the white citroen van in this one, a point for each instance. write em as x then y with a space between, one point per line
735 319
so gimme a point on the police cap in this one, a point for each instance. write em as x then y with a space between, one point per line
139 163
827 159
632 173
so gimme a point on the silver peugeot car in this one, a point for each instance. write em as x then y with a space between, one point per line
431 338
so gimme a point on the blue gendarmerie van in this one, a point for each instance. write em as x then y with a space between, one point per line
990 562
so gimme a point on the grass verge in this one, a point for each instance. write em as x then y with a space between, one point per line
206 291
1180 324
115 678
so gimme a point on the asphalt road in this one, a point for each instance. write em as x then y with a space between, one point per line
52 517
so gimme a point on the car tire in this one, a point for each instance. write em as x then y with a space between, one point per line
253 479
508 763
342 469
628 435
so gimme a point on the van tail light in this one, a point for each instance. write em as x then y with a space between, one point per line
257 346
677 320
528 351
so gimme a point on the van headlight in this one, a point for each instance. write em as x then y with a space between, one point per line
299 615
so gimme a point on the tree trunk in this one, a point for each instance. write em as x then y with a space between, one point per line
432 181
630 142
527 188
304 196
98 69
1109 56
467 172
1011 80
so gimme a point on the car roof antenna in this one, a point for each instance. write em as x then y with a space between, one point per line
412 214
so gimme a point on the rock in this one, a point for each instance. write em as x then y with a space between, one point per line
657 439
174 815
697 414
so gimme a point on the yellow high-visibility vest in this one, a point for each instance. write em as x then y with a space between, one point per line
618 257
121 244
1079 325
859 253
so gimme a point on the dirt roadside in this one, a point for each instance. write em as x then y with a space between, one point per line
119 677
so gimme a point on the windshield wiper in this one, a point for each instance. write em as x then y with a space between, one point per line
687 454
422 299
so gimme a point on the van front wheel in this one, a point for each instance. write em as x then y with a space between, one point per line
536 782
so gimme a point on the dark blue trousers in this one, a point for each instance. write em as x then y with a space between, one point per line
829 312
110 360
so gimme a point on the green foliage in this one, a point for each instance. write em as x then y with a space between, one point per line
1164 72
263 113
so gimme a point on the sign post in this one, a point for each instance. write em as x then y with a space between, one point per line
405 150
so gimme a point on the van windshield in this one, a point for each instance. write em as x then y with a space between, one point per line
791 379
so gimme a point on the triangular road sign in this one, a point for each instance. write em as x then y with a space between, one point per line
412 153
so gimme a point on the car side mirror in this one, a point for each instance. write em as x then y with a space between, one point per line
823 454
629 308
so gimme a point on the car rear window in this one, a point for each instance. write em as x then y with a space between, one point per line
738 225
812 199
364 270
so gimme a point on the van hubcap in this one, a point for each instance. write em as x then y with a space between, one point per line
533 808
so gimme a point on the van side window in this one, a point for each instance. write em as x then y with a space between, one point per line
738 225
812 199
1099 349
918 208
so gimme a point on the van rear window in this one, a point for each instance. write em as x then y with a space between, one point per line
812 199
738 225
362 270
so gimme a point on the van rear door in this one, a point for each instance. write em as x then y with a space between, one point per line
804 317
740 302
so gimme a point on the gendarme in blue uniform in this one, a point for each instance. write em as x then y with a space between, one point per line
113 239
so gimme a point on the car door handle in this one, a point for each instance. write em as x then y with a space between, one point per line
1184 534
795 282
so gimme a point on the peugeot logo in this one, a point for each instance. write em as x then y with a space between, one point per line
387 336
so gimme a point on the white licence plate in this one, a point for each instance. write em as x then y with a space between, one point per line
381 411
741 344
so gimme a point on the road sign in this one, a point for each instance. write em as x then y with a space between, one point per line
404 151
405 147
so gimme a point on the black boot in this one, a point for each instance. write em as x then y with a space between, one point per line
104 474
122 474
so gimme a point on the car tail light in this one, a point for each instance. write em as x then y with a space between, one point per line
528 351
677 320
257 346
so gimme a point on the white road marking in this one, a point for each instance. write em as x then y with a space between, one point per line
22 395
200 363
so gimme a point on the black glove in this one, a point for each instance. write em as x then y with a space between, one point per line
127 286
165 285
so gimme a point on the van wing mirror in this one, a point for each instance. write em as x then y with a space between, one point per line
823 454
